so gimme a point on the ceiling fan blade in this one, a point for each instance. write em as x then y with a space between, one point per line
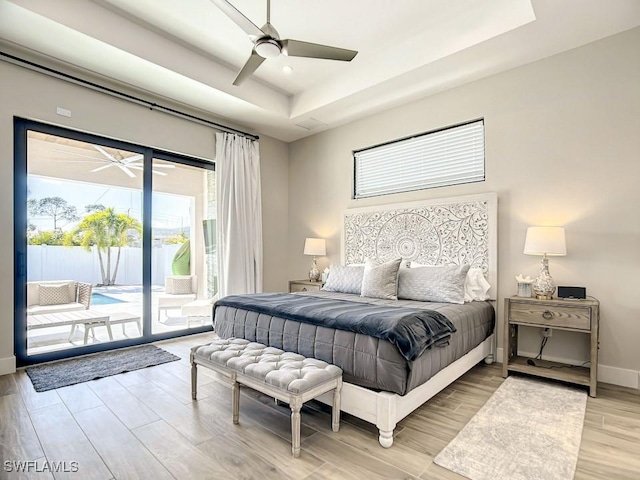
296 48
126 170
95 160
251 66
103 167
76 154
133 158
139 167
239 19
104 152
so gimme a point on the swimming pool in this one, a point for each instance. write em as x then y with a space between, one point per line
100 299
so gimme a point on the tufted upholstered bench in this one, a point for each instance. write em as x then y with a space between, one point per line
286 376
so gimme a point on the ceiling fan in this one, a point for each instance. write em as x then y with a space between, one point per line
118 160
267 43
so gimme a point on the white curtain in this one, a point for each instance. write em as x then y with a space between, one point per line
239 214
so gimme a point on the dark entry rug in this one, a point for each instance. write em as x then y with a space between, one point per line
78 370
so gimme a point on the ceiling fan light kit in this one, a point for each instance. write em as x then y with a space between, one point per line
267 43
268 48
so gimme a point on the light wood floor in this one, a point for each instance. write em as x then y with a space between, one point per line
143 424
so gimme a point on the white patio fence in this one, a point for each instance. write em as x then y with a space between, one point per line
46 262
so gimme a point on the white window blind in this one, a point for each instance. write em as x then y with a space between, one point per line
446 157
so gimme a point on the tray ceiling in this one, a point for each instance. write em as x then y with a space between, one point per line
190 52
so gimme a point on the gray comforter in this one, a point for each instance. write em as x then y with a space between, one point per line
411 330
366 361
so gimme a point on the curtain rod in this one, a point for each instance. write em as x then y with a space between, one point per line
121 95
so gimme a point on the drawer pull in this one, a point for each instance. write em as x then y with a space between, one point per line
547 315
304 289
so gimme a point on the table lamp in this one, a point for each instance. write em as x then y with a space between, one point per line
317 248
545 241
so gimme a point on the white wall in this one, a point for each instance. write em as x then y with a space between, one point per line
562 148
51 262
32 95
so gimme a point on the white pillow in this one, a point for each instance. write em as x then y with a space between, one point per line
344 279
381 281
433 284
476 287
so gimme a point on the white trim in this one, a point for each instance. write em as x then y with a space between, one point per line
622 377
7 365
385 409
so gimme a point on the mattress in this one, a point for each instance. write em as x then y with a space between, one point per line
366 361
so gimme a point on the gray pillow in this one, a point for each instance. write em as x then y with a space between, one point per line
433 284
381 281
344 279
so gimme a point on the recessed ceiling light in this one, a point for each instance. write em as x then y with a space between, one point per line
287 69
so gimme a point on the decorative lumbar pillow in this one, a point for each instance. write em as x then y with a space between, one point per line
344 279
433 284
57 294
476 287
181 286
381 281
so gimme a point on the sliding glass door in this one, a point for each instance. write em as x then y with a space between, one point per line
108 236
183 272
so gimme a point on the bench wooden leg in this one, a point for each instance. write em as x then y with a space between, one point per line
335 411
296 405
194 380
235 393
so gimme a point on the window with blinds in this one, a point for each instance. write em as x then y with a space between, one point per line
450 156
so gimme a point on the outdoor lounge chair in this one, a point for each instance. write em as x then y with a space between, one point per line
57 296
178 291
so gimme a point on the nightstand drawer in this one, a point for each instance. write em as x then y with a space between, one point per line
304 287
551 315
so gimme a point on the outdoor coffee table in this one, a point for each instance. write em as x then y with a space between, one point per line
89 318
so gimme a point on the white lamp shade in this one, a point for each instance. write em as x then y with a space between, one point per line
545 240
315 246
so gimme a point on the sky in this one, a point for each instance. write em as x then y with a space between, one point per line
169 211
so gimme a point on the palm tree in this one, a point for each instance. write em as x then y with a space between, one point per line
105 229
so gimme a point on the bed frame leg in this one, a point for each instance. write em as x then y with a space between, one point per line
489 359
386 418
386 438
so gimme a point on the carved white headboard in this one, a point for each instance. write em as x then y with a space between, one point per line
446 231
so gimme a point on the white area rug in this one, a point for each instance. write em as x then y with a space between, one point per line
529 429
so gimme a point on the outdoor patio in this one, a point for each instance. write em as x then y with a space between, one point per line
109 301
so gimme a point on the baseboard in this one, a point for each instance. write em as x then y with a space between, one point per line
7 365
614 375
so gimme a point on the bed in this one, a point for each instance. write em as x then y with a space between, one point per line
383 385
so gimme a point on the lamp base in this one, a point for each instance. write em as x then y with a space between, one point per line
314 273
543 286
544 297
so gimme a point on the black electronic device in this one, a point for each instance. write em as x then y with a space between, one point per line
575 293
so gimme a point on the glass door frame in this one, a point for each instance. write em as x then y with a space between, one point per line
21 128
